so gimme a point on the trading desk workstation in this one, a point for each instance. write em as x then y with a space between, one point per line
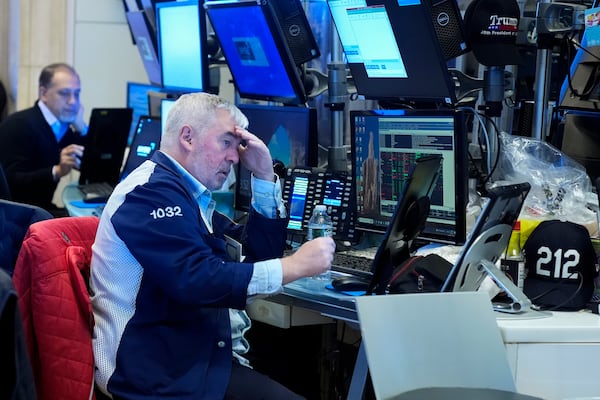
547 351
382 198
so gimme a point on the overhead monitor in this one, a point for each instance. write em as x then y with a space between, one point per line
290 134
144 36
581 140
256 51
581 87
392 50
181 33
137 100
385 145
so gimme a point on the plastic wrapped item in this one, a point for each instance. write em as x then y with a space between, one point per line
559 185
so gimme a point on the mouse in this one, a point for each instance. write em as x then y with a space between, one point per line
350 284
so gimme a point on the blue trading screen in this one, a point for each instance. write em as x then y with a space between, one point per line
260 64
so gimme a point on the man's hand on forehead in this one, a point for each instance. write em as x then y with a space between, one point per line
254 154
243 135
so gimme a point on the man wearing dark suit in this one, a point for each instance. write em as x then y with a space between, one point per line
41 144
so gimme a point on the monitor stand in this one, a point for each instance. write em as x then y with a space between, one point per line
480 262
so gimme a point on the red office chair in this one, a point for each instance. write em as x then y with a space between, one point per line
51 277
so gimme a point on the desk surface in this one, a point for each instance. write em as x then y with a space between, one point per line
551 353
73 200
552 327
530 327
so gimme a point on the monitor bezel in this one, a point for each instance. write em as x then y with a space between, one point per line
202 36
461 167
285 55
141 28
426 66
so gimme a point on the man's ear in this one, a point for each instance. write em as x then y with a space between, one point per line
42 91
186 135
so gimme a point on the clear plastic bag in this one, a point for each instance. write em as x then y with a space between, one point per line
558 183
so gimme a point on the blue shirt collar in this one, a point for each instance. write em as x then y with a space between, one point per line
52 120
202 195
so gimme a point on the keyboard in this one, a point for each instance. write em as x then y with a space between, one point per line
352 263
97 192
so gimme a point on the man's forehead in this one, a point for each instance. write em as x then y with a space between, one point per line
64 79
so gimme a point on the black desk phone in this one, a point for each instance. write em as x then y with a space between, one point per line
304 188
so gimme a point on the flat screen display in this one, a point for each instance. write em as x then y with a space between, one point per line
181 33
581 87
290 134
137 100
385 146
256 51
392 50
146 141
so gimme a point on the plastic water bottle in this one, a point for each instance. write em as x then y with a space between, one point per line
320 225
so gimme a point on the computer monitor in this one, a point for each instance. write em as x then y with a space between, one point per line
392 50
385 145
105 145
137 100
289 132
581 87
581 140
146 141
255 48
181 33
144 36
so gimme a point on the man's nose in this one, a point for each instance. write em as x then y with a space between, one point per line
73 98
233 156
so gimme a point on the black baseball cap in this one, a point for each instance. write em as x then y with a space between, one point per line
491 31
561 265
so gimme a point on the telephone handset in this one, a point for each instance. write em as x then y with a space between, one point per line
303 188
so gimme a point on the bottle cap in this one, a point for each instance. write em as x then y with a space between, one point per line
320 207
